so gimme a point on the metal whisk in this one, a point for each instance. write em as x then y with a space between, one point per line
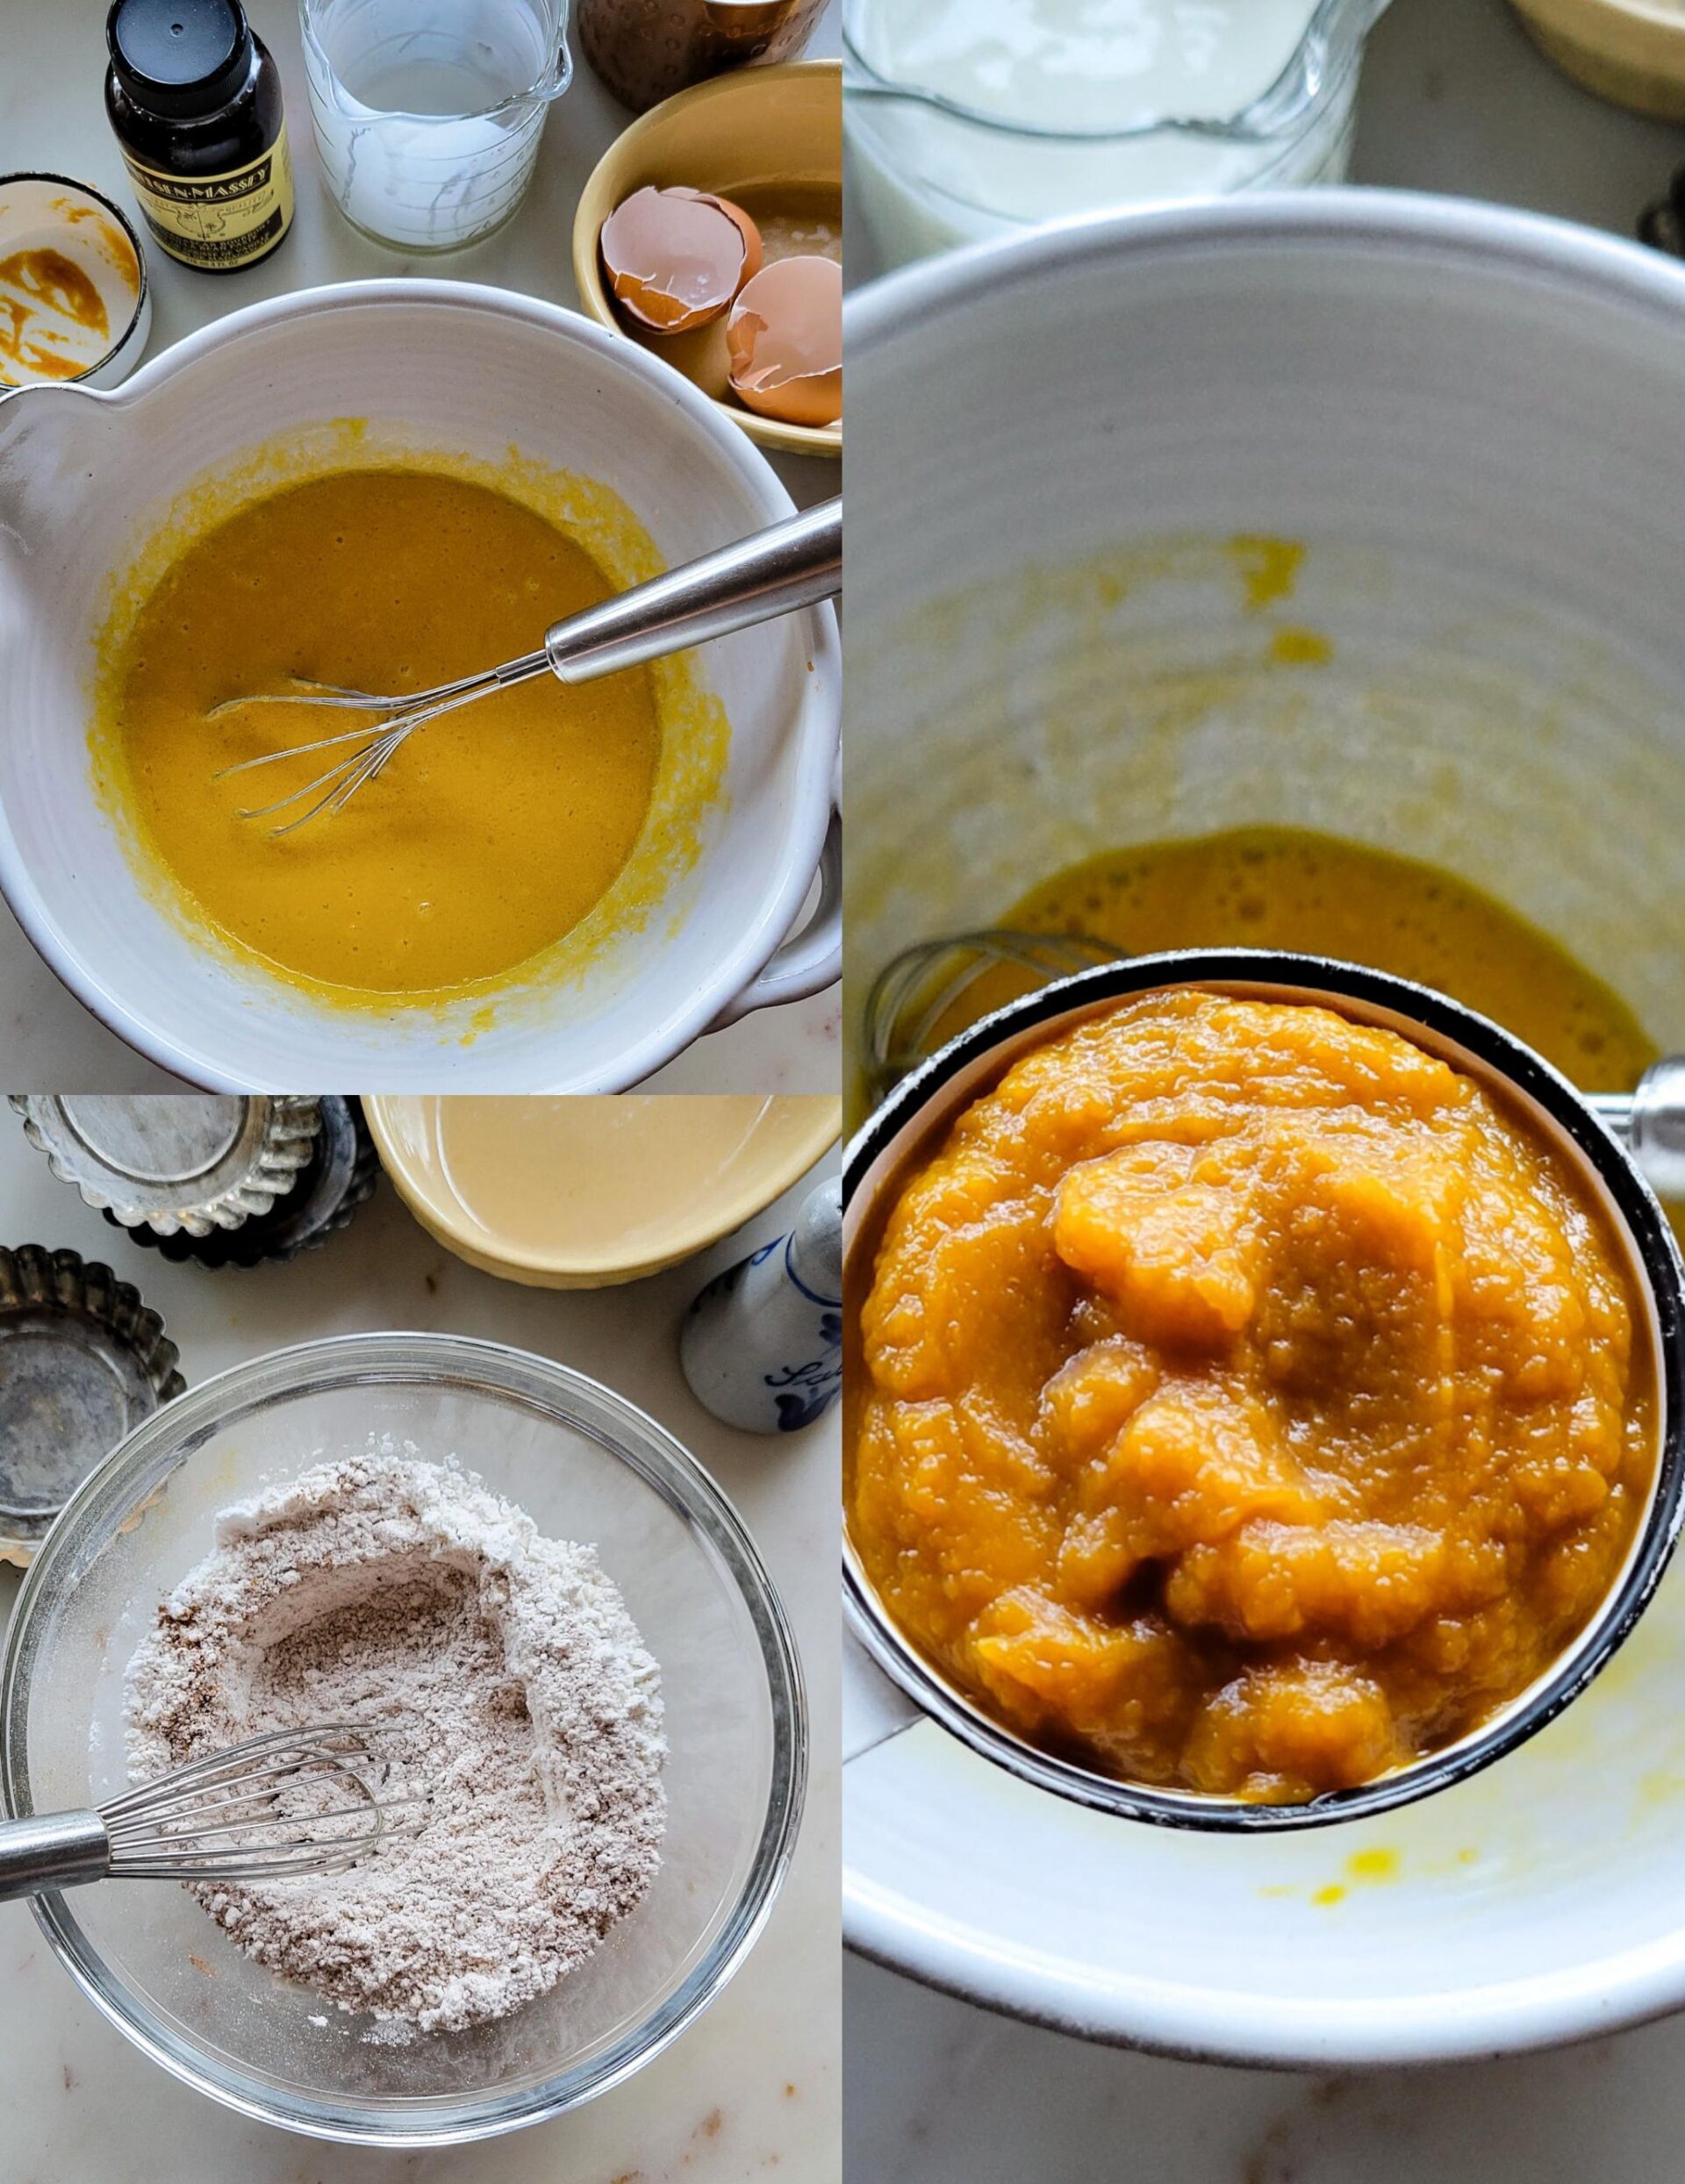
914 992
294 1801
792 565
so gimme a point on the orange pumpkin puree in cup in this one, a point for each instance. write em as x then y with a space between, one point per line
1250 1404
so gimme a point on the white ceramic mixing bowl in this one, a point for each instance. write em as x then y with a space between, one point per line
84 479
1065 637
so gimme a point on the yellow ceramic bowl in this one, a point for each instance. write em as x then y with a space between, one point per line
1630 51
583 1193
756 129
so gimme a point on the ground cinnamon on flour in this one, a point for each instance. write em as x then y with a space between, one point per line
380 1588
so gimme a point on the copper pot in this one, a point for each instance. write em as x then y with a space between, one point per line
645 50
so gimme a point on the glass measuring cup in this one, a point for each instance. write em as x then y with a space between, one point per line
429 112
936 168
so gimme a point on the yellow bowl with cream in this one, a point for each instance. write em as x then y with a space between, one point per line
587 1193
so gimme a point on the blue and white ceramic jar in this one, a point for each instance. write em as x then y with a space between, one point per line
762 1345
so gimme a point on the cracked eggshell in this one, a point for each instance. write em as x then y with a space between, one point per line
675 258
785 338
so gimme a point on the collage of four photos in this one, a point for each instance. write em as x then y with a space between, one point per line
882 1386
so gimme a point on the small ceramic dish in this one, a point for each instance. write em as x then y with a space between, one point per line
749 135
517 1187
81 322
1630 51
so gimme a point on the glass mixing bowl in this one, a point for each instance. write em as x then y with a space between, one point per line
585 1465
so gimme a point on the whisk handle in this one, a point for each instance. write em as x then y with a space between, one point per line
52 1851
793 564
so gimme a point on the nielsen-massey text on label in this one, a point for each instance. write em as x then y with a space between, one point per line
218 220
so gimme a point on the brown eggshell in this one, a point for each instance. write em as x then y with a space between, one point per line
675 258
785 336
701 355
753 251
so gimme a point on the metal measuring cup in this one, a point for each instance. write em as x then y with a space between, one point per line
915 1117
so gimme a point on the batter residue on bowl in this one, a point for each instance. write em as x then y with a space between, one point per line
1249 1403
508 1684
498 829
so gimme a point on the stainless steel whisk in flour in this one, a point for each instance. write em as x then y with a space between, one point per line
291 1802
793 564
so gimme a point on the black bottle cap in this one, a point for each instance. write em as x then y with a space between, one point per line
180 58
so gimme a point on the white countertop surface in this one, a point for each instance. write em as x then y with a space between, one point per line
750 2090
1455 98
52 119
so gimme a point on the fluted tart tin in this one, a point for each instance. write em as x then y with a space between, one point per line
83 1361
341 1176
174 1163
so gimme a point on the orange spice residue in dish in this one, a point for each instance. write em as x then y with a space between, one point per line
48 305
1249 1403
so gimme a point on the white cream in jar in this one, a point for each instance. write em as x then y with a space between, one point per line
969 117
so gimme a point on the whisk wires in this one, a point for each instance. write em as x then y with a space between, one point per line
291 1802
914 993
378 740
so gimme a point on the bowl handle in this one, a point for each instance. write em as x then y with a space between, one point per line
810 960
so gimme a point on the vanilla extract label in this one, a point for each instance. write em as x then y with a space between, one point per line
221 221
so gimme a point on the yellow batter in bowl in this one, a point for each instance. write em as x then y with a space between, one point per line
1317 895
495 833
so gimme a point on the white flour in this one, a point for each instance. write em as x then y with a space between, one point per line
381 1589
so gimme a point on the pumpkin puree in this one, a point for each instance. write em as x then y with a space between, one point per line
1249 1403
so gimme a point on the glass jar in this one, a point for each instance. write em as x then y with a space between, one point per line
646 50
934 171
195 107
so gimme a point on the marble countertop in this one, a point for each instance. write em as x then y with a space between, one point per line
52 119
751 2089
1455 98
